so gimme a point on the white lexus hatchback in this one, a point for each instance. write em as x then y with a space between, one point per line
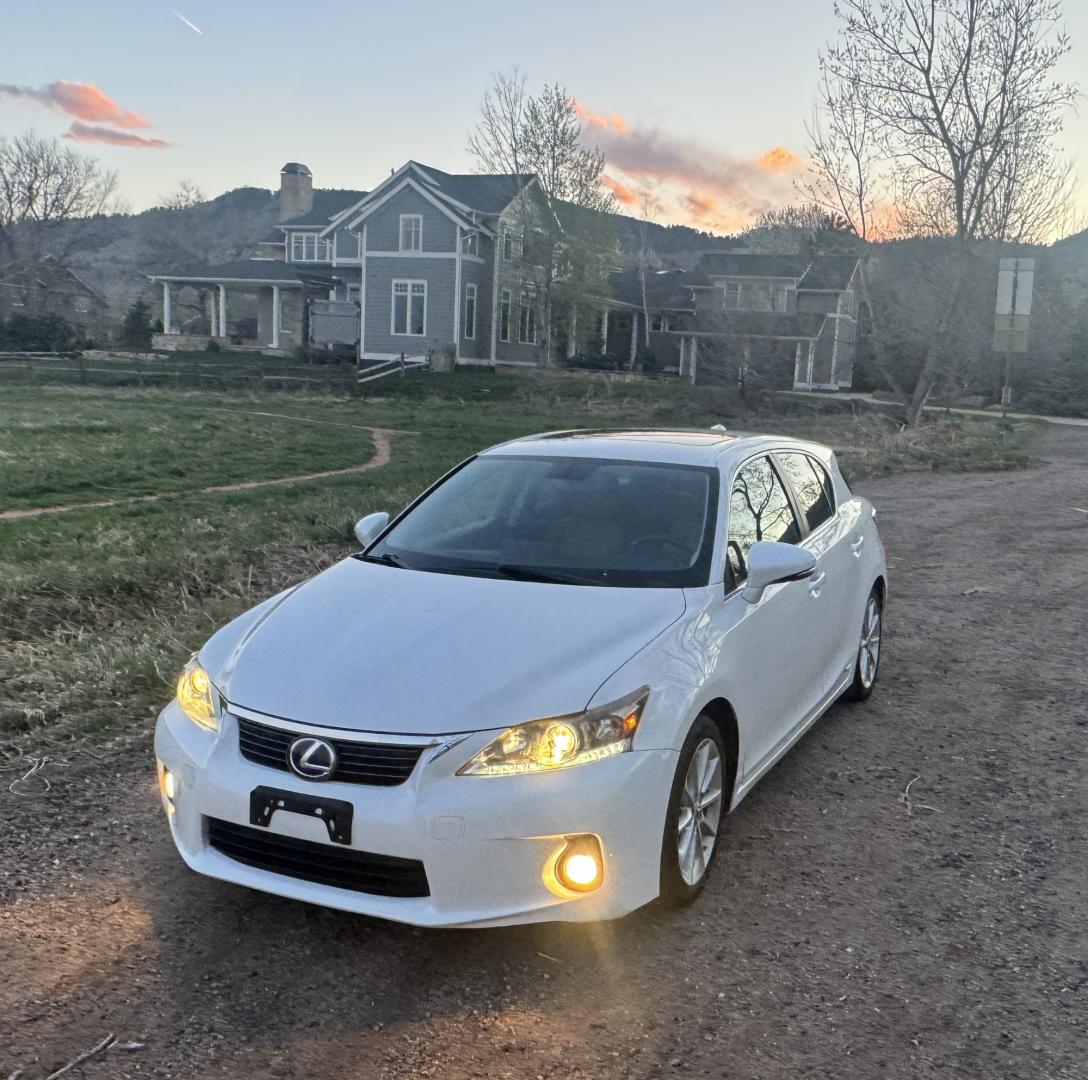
536 693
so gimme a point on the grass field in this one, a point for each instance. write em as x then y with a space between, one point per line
99 606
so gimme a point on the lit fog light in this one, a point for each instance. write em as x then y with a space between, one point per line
580 866
168 783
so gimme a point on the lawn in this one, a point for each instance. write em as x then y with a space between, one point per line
99 606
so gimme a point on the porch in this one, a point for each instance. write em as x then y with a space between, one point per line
259 305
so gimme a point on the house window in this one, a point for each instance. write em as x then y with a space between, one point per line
353 294
510 244
470 312
527 320
470 244
660 323
305 247
731 300
504 316
411 232
83 305
410 308
18 299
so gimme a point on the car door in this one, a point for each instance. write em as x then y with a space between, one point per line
829 537
768 653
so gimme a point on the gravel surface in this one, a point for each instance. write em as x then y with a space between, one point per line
854 928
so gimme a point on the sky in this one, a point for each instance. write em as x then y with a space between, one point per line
700 107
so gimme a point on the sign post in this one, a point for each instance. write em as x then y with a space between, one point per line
1012 316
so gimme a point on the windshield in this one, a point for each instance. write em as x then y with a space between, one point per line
583 521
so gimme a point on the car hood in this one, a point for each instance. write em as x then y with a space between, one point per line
367 647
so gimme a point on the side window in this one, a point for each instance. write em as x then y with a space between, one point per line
811 485
758 510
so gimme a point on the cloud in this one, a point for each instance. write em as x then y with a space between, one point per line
97 133
780 160
623 193
84 101
97 117
708 186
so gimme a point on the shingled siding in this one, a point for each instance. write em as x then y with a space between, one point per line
381 272
383 226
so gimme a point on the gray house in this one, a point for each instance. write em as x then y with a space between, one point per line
426 261
433 262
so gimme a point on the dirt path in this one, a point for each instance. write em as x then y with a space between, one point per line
855 928
382 449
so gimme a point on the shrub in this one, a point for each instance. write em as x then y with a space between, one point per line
136 330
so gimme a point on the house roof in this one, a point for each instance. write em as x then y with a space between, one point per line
257 270
489 194
744 264
328 202
665 289
829 272
817 272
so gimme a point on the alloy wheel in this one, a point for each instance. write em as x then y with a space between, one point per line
869 650
700 811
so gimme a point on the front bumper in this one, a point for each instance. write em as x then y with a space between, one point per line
484 841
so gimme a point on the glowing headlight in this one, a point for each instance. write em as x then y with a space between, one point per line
199 700
561 742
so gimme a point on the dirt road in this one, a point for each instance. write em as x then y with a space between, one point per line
855 928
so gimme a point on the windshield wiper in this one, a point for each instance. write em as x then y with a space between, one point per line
385 557
532 573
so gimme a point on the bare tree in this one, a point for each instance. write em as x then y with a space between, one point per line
44 182
842 178
953 106
541 134
497 142
186 195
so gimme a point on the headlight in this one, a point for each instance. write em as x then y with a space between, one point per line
199 700
561 742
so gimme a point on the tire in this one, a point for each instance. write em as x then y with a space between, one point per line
867 663
678 885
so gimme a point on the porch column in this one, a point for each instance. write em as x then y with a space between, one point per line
275 316
167 327
572 332
211 312
604 332
693 359
633 351
222 310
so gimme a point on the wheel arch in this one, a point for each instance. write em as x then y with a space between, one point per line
881 585
724 717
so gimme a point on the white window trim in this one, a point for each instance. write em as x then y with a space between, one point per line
470 244
319 245
408 313
400 234
526 305
472 293
506 299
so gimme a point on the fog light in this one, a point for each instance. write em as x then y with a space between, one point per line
580 866
168 785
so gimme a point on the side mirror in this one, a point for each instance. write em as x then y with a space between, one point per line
368 529
770 562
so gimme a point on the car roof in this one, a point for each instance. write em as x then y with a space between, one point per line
679 446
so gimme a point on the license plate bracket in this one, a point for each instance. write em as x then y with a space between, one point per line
336 814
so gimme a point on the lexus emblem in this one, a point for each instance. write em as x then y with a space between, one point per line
313 759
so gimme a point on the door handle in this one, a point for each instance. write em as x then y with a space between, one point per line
857 545
815 583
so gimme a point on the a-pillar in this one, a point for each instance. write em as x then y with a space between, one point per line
222 310
167 322
634 341
275 316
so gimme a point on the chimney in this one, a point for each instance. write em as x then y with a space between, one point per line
296 191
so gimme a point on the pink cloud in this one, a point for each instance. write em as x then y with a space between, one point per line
97 133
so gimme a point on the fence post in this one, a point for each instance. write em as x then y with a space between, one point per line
82 368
